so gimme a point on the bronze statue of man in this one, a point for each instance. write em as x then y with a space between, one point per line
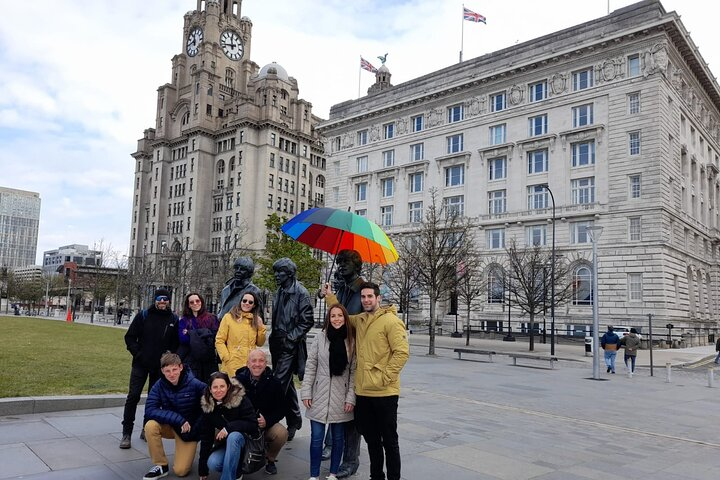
239 285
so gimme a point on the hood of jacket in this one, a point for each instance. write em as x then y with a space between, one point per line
233 399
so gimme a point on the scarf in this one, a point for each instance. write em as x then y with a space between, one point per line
338 353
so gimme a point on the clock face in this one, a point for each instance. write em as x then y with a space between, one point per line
195 38
231 44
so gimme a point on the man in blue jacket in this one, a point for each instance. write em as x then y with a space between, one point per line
173 411
610 342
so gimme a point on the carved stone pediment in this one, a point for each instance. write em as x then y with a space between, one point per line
504 150
536 143
591 132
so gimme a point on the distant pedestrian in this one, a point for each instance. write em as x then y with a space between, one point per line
631 342
610 343
717 349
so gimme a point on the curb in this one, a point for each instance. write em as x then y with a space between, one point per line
30 405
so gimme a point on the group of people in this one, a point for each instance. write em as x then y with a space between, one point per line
350 375
611 342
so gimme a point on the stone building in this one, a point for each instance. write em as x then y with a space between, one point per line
618 116
78 254
232 144
19 225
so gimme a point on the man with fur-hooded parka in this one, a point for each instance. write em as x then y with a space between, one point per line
235 414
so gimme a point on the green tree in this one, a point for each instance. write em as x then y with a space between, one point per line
279 245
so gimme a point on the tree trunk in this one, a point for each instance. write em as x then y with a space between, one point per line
431 343
532 332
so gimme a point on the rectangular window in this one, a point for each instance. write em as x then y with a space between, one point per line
388 130
497 168
362 212
388 158
633 65
455 176
536 235
362 137
634 229
634 181
386 216
361 164
583 154
498 134
537 125
454 205
635 287
455 143
417 181
538 91
537 161
497 202
497 102
582 79
537 197
417 123
634 143
415 212
361 192
388 187
634 103
496 238
583 190
582 115
455 113
579 232
417 152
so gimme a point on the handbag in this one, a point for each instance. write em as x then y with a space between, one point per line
253 455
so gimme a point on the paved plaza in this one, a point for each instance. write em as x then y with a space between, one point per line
458 419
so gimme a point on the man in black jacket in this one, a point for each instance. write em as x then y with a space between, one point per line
292 318
152 332
266 394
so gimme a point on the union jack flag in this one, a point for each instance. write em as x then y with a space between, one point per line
365 65
471 16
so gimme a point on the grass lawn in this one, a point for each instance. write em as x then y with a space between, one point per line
41 357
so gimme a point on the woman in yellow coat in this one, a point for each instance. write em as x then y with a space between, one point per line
241 330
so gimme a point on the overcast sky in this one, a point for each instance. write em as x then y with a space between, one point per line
79 78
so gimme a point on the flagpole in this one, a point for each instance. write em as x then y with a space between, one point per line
462 31
359 75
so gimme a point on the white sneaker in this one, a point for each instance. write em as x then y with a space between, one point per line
313 478
331 477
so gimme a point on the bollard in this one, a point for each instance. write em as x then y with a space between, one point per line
711 377
668 372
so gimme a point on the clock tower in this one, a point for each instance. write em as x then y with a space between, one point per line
232 144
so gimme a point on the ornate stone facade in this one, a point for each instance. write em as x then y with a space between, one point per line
619 117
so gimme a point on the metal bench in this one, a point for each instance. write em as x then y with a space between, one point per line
515 356
475 351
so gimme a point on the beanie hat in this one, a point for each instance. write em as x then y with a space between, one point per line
163 291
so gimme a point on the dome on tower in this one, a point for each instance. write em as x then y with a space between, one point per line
274 69
383 68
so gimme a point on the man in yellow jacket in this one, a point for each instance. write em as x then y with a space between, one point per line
382 351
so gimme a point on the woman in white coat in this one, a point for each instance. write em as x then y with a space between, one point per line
328 391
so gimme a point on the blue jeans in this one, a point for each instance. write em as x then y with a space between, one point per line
632 361
610 359
317 432
226 459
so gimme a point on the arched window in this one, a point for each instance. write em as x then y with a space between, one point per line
230 78
320 181
221 167
232 164
582 286
495 288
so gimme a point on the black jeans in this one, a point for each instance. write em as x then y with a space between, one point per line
138 375
284 365
376 420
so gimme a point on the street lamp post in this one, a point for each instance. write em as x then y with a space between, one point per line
594 232
552 276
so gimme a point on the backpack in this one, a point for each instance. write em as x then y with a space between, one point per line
253 454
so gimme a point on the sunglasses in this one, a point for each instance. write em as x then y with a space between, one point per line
162 298
193 302
249 302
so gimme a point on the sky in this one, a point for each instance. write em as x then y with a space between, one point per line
79 78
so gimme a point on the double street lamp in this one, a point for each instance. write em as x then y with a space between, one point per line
594 233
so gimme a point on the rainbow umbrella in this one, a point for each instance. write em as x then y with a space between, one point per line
332 230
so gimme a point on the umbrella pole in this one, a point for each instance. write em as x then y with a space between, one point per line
337 246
